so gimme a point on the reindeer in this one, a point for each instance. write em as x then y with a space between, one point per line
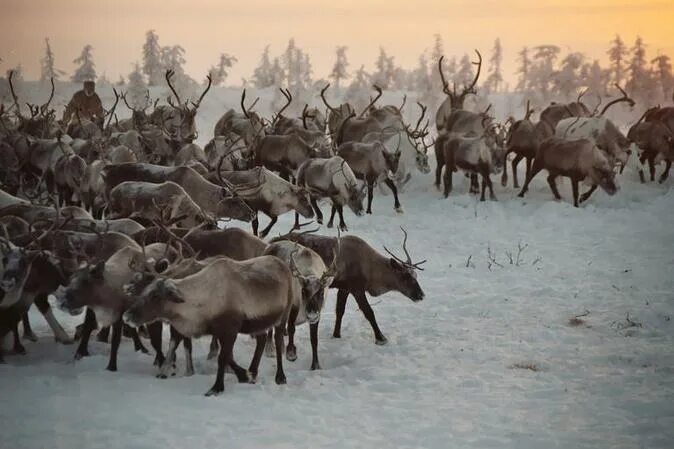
149 201
213 199
232 150
523 139
224 299
454 100
248 125
284 153
264 191
653 133
371 162
361 269
139 116
476 154
334 179
578 160
42 121
312 279
180 118
99 287
336 116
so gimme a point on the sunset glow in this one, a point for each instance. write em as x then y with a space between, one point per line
205 28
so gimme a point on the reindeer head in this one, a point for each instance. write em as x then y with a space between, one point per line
184 128
457 99
405 272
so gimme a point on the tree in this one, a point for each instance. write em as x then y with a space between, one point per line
221 71
339 72
595 78
277 73
137 90
495 78
86 70
436 53
422 80
305 69
48 70
566 80
465 74
523 70
639 78
385 68
152 66
662 68
616 55
543 71
289 63
262 75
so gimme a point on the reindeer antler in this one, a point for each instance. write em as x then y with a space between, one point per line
408 262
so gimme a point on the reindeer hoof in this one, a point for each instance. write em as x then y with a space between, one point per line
281 379
30 336
215 391
400 210
330 225
291 354
81 354
315 366
381 341
19 349
189 372
64 341
112 368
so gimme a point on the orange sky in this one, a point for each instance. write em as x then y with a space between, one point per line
405 28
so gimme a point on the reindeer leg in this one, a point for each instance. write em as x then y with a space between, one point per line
317 211
313 335
266 230
492 197
28 333
242 375
484 186
189 363
342 295
391 185
665 174
87 328
474 185
584 197
642 177
438 172
297 221
370 189
169 364
60 334
365 307
291 349
269 350
154 331
257 355
342 224
332 216
553 186
278 340
255 223
137 343
448 181
103 334
227 338
116 339
574 187
651 166
535 169
514 164
18 347
213 350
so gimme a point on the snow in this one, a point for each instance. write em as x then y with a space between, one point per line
448 377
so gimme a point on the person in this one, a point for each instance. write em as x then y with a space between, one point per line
85 103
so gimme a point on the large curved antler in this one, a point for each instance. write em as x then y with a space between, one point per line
208 87
14 96
323 91
408 262
380 92
169 74
289 98
624 98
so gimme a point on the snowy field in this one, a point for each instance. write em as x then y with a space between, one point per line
488 360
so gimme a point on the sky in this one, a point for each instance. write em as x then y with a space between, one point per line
206 28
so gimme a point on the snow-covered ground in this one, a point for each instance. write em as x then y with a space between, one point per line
488 360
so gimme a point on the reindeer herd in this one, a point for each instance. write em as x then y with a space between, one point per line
121 219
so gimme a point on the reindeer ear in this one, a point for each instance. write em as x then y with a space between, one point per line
161 265
395 264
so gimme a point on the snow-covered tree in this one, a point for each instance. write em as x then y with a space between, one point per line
595 78
220 72
640 81
262 75
152 63
339 72
137 90
421 77
616 56
436 53
86 70
276 73
305 69
48 69
566 80
495 77
359 89
662 69
173 58
543 71
385 68
289 63
465 73
523 70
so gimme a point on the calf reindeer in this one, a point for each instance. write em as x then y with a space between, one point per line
331 178
312 279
